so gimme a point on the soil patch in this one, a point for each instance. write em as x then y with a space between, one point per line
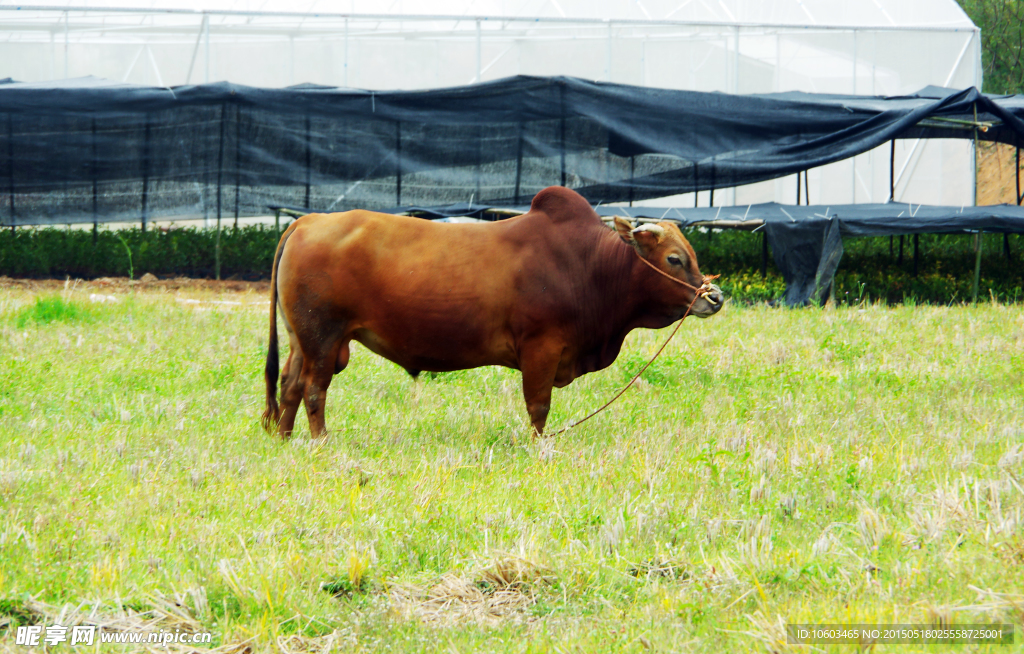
123 284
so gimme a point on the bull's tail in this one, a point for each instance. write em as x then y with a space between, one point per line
273 413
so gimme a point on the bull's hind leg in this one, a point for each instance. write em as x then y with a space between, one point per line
291 389
317 374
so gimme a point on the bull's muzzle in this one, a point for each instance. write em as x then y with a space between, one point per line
709 301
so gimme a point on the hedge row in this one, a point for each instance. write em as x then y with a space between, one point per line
872 268
245 253
868 270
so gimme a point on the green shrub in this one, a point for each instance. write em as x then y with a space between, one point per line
868 270
52 308
945 270
246 252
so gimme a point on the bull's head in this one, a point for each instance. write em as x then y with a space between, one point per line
664 247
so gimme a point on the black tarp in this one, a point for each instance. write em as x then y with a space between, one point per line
90 150
806 241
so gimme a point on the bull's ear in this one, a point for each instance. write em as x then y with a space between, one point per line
625 229
648 236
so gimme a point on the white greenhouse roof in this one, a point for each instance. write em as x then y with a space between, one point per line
945 14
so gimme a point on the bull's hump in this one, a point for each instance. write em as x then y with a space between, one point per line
560 204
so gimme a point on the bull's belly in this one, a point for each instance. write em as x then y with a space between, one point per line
423 350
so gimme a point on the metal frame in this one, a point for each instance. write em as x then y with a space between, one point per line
10 169
471 18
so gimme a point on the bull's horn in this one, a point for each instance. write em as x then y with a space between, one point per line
657 230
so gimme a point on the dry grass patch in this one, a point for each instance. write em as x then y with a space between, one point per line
501 592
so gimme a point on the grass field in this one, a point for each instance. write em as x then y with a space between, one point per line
854 465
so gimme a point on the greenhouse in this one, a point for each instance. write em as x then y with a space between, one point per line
863 47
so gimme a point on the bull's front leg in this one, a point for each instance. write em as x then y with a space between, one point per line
539 363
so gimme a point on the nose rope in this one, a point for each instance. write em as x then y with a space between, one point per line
705 279
705 287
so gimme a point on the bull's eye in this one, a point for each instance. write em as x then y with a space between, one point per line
674 260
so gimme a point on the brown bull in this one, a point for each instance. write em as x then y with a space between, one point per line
552 293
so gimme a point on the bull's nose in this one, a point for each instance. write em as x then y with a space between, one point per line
715 298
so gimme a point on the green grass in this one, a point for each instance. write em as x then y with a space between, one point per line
51 308
862 464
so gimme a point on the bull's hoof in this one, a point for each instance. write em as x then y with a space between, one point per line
546 448
528 437
318 442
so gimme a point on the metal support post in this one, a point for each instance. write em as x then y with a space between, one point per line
238 159
608 54
977 236
892 170
478 172
479 53
977 266
309 162
67 28
696 188
398 163
632 176
917 238
95 187
561 138
764 255
1006 237
207 167
220 184
711 197
519 161
975 179
145 176
206 57
10 165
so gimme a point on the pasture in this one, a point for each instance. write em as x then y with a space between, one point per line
857 465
